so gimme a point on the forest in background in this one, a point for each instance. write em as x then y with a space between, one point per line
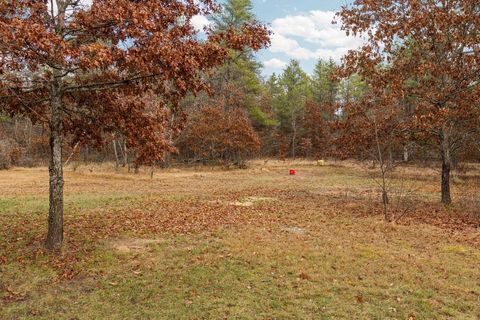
287 115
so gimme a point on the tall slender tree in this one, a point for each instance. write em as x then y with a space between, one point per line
234 13
289 103
324 85
241 72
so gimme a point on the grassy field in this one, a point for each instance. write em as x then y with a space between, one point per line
201 243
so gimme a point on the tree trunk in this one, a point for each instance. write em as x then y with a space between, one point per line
152 169
294 138
406 154
446 168
55 215
385 202
390 157
117 162
125 155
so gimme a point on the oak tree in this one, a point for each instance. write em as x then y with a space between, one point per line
426 52
215 135
87 68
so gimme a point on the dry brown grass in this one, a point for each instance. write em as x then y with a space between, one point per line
309 246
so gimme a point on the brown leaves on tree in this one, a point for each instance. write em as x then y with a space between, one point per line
421 55
120 63
214 134
116 66
315 138
422 68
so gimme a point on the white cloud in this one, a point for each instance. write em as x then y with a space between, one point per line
199 22
311 36
275 63
291 47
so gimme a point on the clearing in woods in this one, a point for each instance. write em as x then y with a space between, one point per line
246 244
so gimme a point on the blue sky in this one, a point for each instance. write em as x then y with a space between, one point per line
268 10
303 31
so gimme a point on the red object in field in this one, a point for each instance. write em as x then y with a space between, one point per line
293 172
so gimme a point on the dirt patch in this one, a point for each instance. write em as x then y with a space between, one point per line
242 203
132 245
294 230
251 201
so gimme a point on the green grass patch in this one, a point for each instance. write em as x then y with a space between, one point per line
82 201
227 276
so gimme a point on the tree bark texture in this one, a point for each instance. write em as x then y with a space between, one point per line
55 215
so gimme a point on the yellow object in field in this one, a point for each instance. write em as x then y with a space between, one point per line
321 163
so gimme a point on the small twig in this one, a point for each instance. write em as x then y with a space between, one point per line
71 155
